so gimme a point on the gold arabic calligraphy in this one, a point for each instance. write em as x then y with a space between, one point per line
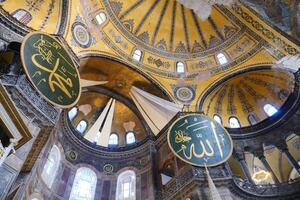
55 79
206 145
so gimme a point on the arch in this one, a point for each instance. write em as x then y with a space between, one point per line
180 67
72 113
35 196
270 110
81 126
222 59
113 139
234 122
84 185
130 138
137 55
218 119
126 186
51 166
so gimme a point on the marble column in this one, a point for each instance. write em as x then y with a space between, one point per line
240 157
154 163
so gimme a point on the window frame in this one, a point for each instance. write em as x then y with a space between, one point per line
267 110
113 145
219 60
238 121
121 180
126 137
183 67
102 22
216 115
85 129
73 117
134 54
76 183
49 178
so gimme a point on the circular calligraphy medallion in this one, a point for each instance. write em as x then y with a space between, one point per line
72 155
108 168
198 140
81 35
185 94
50 69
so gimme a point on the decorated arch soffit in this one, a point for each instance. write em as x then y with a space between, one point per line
43 15
166 33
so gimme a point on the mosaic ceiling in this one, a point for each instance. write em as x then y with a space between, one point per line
165 32
168 28
247 94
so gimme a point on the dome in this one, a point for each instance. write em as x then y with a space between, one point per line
248 97
170 29
125 120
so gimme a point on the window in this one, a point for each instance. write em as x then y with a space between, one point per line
81 127
234 122
218 119
270 110
137 55
113 139
130 138
100 18
84 184
22 16
126 186
180 67
51 166
252 119
72 113
222 59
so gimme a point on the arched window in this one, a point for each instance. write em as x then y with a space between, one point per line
22 16
126 186
84 184
72 113
81 126
51 166
130 138
137 55
100 18
270 110
218 119
252 119
113 139
222 59
180 67
234 122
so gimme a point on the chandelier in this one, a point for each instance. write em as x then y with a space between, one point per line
202 8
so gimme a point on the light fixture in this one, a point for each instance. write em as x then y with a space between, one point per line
202 8
261 176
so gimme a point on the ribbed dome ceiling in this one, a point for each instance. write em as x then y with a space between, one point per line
247 93
168 27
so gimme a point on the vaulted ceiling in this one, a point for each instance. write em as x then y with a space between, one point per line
165 32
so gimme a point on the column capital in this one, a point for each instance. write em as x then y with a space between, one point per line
259 154
282 146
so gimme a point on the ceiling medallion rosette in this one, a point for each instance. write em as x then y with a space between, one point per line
203 8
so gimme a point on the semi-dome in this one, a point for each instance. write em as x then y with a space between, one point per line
247 98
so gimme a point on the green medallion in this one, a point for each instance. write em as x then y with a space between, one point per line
199 140
50 69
